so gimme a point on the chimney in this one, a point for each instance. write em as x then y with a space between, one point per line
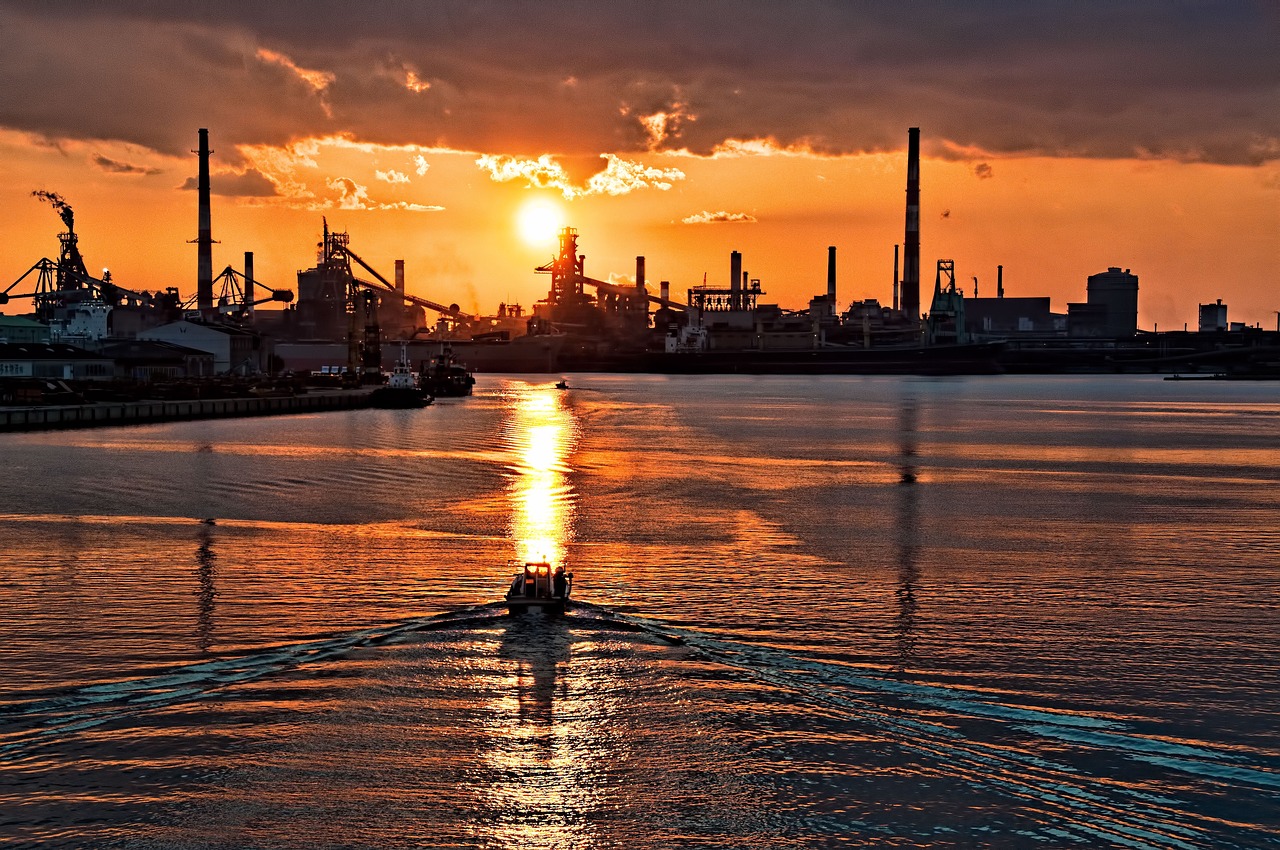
735 280
248 283
400 278
640 274
204 236
665 291
895 277
999 281
911 239
831 274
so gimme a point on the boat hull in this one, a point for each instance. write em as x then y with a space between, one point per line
544 607
396 398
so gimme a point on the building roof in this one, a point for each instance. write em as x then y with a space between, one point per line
45 351
149 349
229 330
20 322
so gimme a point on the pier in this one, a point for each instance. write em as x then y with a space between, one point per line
51 417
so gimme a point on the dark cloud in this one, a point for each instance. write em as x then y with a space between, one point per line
113 166
1189 81
250 184
984 171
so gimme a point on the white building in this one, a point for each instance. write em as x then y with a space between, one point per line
235 350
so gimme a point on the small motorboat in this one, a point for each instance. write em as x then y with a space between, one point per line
562 385
537 587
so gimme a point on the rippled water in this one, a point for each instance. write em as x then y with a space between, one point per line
813 612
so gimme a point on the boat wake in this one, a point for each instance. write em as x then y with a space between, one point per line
1071 772
27 726
973 736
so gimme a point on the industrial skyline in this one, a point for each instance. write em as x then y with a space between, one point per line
1056 142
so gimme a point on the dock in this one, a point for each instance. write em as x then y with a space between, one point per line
49 417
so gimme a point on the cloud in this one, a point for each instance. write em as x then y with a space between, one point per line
707 217
250 183
353 196
665 125
983 171
420 164
318 81
767 146
391 176
1183 81
113 166
619 177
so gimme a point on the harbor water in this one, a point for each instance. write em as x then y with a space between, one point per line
1001 612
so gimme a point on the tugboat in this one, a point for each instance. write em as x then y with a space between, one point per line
402 389
562 385
537 587
445 376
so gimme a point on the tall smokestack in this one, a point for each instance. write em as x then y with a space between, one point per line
895 277
735 280
664 290
204 236
911 239
248 283
400 278
640 274
999 281
831 273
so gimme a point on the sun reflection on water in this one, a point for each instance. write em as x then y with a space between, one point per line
543 433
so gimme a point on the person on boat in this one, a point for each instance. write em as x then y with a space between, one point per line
559 582
517 585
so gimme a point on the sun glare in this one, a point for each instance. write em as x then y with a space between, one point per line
539 222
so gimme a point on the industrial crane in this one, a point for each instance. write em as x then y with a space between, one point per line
67 280
235 298
386 286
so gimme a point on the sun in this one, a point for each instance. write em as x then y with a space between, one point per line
539 222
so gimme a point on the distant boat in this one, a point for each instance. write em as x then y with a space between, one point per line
537 587
402 389
562 385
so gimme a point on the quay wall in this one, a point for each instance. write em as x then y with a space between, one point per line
140 412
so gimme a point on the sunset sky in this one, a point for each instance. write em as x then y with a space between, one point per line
1058 139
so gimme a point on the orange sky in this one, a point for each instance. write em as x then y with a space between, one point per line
426 162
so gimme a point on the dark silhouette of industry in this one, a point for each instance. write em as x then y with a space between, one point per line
85 333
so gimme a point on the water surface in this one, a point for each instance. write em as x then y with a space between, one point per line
815 612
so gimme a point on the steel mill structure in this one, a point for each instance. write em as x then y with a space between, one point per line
346 309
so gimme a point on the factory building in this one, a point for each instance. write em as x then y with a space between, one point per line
151 360
1111 308
1213 317
235 350
18 329
53 361
1001 317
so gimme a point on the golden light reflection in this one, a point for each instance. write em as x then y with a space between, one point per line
543 433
